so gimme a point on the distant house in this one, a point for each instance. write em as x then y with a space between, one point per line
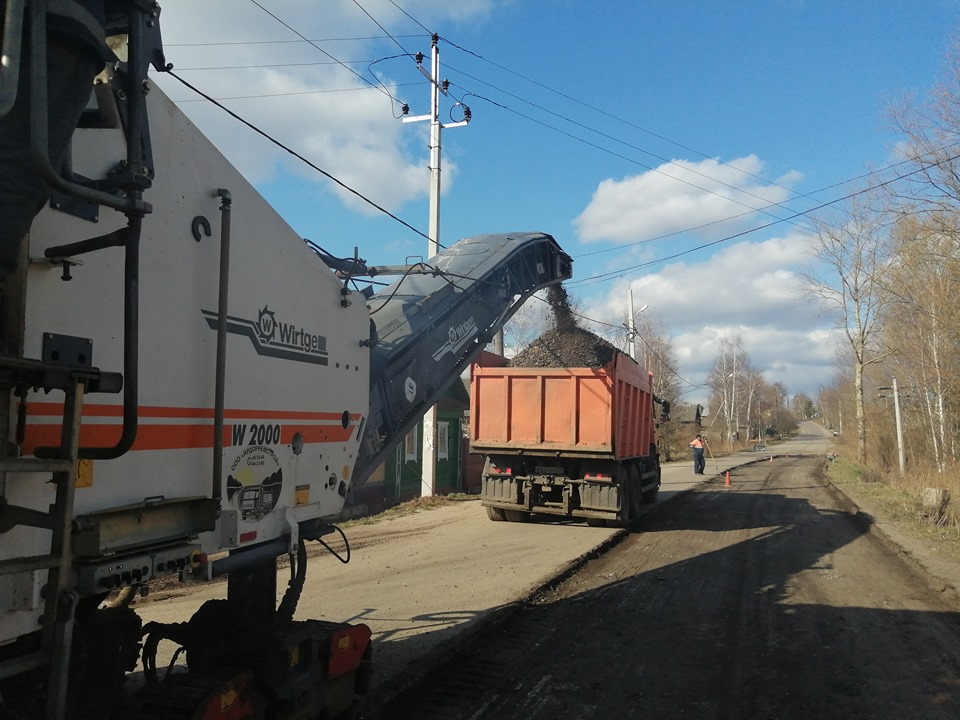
687 415
399 478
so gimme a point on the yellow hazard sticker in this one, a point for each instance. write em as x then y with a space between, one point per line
84 473
302 495
228 698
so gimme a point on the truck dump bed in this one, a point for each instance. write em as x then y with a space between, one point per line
602 412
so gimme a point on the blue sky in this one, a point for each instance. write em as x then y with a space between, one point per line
632 131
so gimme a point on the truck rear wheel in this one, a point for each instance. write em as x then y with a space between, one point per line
495 514
650 496
516 515
636 498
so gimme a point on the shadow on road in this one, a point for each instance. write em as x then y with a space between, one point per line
723 604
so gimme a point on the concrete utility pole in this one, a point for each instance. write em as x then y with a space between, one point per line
428 481
632 325
896 411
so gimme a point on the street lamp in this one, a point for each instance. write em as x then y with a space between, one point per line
896 409
632 327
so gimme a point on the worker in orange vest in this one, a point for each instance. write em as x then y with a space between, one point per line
699 463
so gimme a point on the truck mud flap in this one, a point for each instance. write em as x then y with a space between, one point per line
600 496
502 490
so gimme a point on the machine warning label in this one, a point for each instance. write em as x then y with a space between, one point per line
273 338
302 495
255 481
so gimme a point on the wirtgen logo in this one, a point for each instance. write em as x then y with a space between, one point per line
267 324
457 337
273 338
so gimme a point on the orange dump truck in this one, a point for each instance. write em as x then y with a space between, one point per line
576 442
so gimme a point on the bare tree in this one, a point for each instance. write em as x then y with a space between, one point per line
931 126
730 382
924 325
657 353
855 254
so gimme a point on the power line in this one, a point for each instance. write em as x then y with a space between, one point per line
274 65
622 271
291 94
587 280
620 327
662 159
377 23
632 160
339 62
610 115
570 120
743 214
285 42
299 156
422 26
657 355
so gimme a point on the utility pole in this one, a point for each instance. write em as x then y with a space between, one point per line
632 325
428 481
896 411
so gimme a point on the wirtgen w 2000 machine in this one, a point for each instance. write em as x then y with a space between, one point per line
191 390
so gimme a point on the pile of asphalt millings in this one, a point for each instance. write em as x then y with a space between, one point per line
565 345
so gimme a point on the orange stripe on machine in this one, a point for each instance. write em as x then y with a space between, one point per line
177 428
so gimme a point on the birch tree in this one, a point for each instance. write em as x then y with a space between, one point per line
924 325
854 254
729 382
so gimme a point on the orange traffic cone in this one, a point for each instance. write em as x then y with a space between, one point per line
726 482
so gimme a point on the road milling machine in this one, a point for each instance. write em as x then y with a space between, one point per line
191 391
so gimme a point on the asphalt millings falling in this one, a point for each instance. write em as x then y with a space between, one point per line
565 345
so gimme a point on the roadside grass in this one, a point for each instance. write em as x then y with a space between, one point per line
896 503
410 507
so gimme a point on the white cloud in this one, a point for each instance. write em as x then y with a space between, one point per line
748 282
748 289
308 102
679 196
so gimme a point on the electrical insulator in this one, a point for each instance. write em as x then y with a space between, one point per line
467 114
405 109
445 85
419 58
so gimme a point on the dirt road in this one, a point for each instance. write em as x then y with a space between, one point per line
768 599
422 580
711 620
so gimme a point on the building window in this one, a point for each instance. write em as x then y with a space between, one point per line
443 434
410 445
